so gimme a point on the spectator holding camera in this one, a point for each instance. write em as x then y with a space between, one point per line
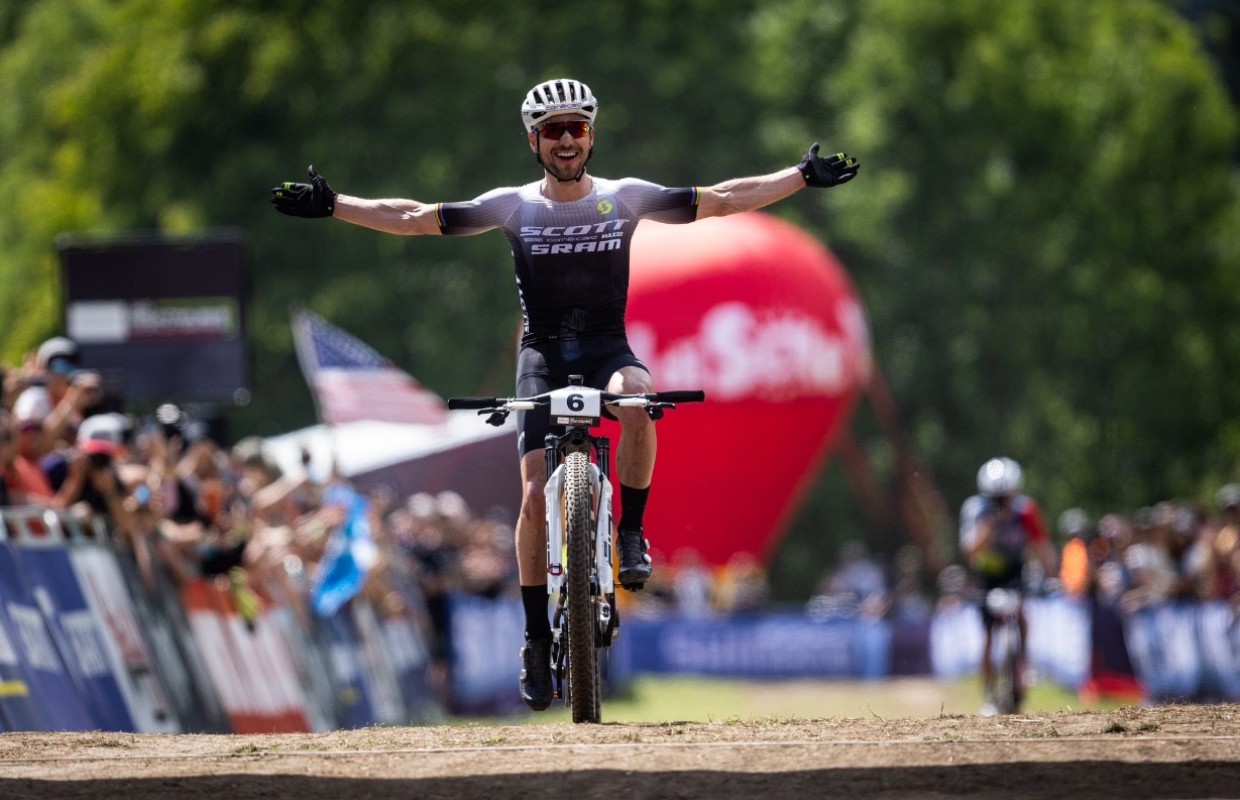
71 391
93 485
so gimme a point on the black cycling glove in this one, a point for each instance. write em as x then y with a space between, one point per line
313 199
833 170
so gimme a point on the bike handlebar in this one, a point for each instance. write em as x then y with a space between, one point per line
680 396
610 398
456 403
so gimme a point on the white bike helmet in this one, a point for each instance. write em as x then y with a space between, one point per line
559 96
1073 522
1000 477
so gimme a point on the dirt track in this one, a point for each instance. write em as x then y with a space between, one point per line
1165 752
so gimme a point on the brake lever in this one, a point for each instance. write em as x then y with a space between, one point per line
655 411
497 418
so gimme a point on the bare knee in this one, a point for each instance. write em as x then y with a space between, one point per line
632 380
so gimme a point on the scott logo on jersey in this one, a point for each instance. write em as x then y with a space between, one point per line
556 239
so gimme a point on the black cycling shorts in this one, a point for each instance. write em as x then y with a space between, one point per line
543 366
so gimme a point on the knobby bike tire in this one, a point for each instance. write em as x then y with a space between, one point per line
583 670
1005 678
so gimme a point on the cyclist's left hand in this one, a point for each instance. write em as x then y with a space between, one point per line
313 199
832 170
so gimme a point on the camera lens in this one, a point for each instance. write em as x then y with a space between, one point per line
100 460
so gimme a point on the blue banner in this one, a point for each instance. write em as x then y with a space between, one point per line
485 640
1186 651
76 634
776 645
354 708
18 710
1058 647
59 705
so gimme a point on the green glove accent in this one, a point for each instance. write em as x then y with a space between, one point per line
833 170
311 200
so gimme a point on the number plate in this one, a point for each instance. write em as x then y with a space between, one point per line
576 405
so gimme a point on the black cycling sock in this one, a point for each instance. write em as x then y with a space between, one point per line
534 598
632 507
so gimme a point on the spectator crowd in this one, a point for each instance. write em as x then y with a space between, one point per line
191 509
188 508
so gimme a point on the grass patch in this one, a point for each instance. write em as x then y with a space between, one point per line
683 699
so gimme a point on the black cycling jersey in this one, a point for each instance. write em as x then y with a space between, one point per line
572 258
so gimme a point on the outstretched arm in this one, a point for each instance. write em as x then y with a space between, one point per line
317 199
405 217
747 194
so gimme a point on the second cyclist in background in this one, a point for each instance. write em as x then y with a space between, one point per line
999 528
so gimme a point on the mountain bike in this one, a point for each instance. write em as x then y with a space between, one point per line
1006 688
579 526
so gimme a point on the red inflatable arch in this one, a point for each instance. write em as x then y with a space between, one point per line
760 315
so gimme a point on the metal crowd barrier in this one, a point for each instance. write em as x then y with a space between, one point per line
87 644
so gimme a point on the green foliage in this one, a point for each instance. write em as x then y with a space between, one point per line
1044 244
1044 230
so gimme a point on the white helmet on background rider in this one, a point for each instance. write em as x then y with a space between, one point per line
1074 522
1000 477
558 96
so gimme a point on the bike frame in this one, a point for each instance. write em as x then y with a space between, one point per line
585 589
1005 646
577 436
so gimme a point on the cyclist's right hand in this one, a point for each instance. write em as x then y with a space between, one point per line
313 199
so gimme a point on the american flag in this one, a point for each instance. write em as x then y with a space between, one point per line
352 382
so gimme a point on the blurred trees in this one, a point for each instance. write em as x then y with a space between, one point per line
1047 240
1044 231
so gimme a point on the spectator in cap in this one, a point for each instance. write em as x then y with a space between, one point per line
1075 570
58 347
74 391
93 487
27 426
24 480
56 372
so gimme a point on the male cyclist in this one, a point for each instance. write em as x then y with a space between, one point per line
999 526
570 234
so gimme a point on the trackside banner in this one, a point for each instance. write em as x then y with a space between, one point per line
1185 650
76 633
51 689
1058 640
126 649
251 670
485 638
18 710
354 695
756 646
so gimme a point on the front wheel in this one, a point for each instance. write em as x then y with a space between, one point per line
584 688
1006 673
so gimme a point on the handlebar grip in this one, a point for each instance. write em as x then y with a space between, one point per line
457 403
681 396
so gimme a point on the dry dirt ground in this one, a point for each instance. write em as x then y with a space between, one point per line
1132 753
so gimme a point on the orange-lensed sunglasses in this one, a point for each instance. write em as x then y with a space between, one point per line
553 130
